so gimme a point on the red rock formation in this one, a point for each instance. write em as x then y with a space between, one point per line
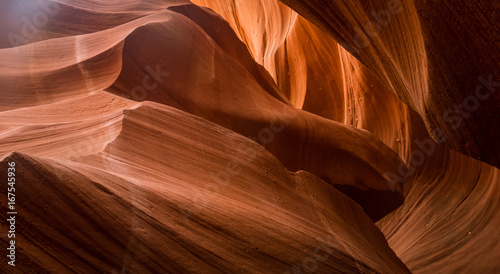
167 205
433 56
159 136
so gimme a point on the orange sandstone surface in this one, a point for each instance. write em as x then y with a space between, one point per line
256 136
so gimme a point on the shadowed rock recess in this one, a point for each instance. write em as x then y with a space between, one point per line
256 136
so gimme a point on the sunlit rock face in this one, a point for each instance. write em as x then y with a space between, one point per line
441 59
251 136
440 186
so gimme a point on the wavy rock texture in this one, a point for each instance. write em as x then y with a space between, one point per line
162 136
148 207
424 231
441 59
449 216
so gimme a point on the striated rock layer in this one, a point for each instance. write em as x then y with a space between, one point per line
442 186
242 136
196 197
439 58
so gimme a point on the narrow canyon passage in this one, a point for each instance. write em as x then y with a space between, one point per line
256 136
